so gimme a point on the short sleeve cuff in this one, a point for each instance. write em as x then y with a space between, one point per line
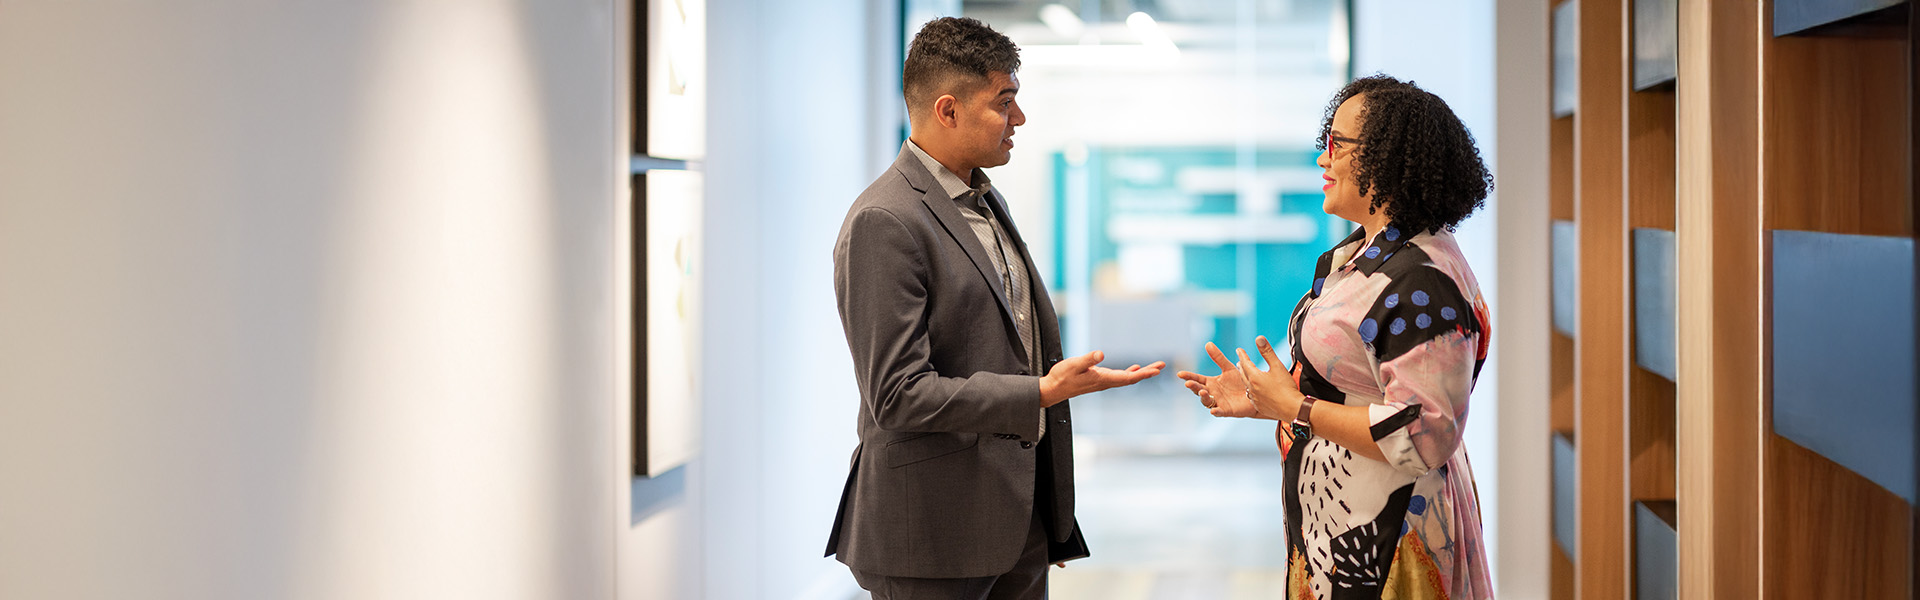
1389 425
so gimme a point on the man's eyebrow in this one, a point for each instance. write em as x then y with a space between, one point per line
1010 90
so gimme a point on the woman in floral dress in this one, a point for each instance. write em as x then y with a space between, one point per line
1386 347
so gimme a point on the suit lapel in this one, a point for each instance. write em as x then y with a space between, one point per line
1045 322
948 214
1043 310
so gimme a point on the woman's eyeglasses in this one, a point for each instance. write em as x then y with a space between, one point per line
1334 142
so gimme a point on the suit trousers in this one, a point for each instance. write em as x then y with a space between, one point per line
1027 580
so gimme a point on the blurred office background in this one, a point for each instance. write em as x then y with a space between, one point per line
329 299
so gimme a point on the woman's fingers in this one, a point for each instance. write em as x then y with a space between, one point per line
1266 351
1219 358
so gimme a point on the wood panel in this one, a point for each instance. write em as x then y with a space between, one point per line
1841 535
1650 150
1560 147
1562 575
1719 410
1650 436
1651 189
1837 132
1600 357
1838 138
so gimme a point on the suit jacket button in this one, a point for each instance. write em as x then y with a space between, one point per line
1026 445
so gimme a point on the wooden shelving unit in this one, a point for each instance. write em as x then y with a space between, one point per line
1676 455
1837 158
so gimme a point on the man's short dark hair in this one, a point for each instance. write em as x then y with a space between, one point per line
952 54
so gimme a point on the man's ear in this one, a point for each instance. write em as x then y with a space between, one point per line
946 111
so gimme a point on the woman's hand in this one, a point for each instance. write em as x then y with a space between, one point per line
1225 393
1274 393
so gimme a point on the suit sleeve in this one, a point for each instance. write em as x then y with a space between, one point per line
880 283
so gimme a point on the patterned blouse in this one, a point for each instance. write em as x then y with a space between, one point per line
1400 327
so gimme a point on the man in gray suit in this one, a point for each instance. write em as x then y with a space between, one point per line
962 486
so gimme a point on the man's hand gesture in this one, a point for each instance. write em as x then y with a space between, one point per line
1083 375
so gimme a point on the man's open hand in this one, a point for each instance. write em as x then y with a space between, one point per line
1083 375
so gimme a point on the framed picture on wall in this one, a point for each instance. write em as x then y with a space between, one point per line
669 139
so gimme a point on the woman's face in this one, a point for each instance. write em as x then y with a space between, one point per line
1337 163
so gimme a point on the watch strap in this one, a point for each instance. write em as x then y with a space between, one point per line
1303 422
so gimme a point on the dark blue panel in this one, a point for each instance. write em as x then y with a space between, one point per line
1566 262
1566 58
1566 482
1653 298
1843 351
1656 42
1656 552
1793 16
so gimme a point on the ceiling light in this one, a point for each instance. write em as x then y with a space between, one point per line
1150 34
1062 20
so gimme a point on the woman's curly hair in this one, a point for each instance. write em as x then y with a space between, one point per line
1414 154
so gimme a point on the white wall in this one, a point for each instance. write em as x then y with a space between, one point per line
1520 346
802 98
306 300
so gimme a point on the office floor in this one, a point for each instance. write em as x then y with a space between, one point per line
1175 504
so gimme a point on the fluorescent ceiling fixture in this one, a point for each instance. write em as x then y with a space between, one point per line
1339 48
1150 34
1062 20
1126 56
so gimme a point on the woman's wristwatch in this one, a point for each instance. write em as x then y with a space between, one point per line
1303 423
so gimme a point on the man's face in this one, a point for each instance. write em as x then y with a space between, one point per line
986 118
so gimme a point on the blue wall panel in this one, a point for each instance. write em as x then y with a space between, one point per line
1843 351
1566 262
1656 556
1566 482
1653 299
1795 16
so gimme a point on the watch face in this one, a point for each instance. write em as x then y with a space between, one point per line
1301 432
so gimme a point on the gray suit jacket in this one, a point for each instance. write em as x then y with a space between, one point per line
941 486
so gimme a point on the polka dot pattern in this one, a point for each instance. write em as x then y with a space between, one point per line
1392 233
1447 312
1399 326
1373 252
1368 330
1317 283
1392 300
1422 321
1419 298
